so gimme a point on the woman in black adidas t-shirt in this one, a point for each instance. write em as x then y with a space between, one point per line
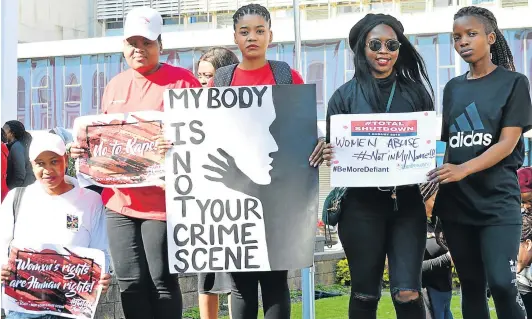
485 112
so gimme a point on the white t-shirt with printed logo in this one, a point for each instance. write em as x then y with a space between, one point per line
75 218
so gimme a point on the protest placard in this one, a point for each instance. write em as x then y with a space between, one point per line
51 279
120 149
240 193
379 150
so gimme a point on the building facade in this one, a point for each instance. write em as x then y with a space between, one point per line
53 20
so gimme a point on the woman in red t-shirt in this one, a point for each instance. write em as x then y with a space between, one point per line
253 35
136 217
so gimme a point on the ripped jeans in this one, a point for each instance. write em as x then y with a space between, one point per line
370 229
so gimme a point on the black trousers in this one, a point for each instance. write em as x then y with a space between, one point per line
370 229
486 255
275 295
140 260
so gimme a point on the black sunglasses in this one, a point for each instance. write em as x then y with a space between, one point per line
392 45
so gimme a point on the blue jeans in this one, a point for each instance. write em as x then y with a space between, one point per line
441 303
20 315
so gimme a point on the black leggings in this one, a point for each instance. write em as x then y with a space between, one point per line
140 261
275 295
370 229
486 255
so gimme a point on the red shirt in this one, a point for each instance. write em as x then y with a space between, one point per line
130 92
260 76
5 153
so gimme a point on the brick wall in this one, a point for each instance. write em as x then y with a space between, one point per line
325 268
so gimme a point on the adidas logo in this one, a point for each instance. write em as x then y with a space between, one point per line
463 130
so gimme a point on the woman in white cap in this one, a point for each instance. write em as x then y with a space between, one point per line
136 217
43 207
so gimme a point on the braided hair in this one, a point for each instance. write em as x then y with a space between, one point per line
526 231
19 132
501 54
252 9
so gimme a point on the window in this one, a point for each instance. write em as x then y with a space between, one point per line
98 86
115 25
315 76
173 20
72 105
21 99
200 18
44 90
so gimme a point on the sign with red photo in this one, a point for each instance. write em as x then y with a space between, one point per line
120 151
51 279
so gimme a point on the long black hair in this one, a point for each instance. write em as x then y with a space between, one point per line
19 132
501 54
410 67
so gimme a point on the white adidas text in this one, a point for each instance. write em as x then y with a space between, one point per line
468 139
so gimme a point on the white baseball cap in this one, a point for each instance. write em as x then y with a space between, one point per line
143 21
46 142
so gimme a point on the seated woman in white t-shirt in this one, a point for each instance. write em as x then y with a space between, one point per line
42 214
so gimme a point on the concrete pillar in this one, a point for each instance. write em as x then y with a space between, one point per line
8 59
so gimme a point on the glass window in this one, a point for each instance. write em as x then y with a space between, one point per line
185 59
41 89
287 53
72 104
21 99
113 66
271 53
335 67
168 56
516 41
314 72
446 49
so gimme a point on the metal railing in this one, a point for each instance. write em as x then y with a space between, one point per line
117 9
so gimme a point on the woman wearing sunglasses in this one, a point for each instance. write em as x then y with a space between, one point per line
389 77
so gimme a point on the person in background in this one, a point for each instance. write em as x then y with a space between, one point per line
19 172
524 175
485 113
136 217
212 60
377 222
524 259
42 213
437 262
211 285
5 155
67 138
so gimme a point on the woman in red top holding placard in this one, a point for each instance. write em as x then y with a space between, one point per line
136 217
253 35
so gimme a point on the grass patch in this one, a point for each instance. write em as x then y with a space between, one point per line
334 308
